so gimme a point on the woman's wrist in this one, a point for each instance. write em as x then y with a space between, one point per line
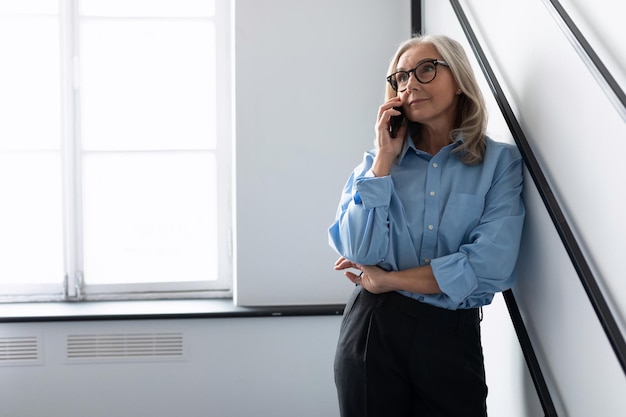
380 170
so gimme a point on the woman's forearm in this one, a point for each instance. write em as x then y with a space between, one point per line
419 280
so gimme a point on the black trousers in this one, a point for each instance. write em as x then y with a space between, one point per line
398 357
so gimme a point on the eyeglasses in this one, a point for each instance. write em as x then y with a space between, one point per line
425 72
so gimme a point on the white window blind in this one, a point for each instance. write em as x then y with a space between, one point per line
115 149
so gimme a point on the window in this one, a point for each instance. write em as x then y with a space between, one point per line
114 149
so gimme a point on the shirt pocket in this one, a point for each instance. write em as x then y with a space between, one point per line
460 216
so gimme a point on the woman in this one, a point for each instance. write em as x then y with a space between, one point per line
432 219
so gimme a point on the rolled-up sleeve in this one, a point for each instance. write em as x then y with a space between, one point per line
361 216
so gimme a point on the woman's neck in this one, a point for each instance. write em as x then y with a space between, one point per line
433 139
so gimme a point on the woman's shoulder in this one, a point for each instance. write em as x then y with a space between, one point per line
501 150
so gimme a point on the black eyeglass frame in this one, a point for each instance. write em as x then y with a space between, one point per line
435 62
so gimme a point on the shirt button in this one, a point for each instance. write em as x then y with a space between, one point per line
432 193
431 227
427 261
435 165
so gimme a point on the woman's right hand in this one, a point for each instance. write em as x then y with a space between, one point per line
388 148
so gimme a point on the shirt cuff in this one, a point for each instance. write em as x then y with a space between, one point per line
373 192
454 276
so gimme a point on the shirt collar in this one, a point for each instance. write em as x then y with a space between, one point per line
409 144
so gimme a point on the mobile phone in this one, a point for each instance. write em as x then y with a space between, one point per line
395 122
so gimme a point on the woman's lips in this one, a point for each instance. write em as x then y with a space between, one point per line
417 101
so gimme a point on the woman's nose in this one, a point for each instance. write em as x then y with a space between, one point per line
412 81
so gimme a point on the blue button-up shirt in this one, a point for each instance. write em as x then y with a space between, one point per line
463 220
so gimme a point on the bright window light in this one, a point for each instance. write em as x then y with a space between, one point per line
114 167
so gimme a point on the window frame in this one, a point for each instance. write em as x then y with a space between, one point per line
73 286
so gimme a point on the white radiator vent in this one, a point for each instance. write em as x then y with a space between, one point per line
20 350
125 347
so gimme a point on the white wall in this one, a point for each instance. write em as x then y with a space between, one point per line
578 137
604 30
232 367
309 79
